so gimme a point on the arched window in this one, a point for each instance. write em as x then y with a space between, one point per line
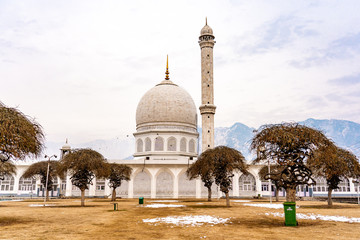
7 184
247 183
321 185
27 184
147 145
139 145
344 185
192 146
159 144
171 146
183 145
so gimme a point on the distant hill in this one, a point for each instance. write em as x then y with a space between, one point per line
344 133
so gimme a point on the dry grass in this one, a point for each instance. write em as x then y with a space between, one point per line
67 220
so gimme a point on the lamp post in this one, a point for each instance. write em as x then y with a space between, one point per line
270 192
262 150
356 183
47 175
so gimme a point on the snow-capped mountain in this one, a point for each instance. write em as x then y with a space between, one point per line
345 134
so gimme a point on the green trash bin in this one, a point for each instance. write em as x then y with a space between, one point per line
141 200
290 214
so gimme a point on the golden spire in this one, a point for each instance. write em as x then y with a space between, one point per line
167 68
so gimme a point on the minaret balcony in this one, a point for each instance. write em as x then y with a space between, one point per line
207 108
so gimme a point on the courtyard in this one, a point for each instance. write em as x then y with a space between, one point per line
174 219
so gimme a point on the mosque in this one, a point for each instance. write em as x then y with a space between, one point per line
166 143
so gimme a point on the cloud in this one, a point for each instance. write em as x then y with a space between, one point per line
277 34
346 80
342 48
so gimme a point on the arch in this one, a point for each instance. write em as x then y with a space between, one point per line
247 183
164 184
139 145
183 145
7 184
123 190
159 144
27 184
344 185
147 144
171 144
214 190
142 185
321 185
187 188
192 146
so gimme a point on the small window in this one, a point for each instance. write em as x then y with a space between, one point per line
147 145
159 144
171 146
139 145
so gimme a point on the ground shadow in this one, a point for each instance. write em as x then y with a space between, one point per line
6 221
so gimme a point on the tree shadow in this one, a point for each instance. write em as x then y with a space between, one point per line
208 206
7 221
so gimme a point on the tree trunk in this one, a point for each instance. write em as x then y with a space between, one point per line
227 199
47 195
113 195
277 194
291 194
83 197
209 194
330 202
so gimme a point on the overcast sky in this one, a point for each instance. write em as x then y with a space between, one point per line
81 67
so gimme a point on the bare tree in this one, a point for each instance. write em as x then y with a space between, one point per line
226 161
83 165
274 176
118 173
7 168
40 169
203 167
218 164
289 145
20 136
334 164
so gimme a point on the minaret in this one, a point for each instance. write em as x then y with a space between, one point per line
207 108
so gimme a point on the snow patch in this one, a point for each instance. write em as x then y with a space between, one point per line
41 205
240 200
312 216
197 220
163 205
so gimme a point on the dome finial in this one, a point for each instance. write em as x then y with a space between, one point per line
205 20
167 68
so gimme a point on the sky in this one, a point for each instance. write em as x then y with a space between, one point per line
81 67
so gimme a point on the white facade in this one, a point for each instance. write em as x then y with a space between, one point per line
166 143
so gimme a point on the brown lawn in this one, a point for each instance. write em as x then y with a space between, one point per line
67 220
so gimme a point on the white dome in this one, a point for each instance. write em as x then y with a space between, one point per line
166 103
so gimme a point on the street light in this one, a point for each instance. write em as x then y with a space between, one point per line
356 182
47 175
262 150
